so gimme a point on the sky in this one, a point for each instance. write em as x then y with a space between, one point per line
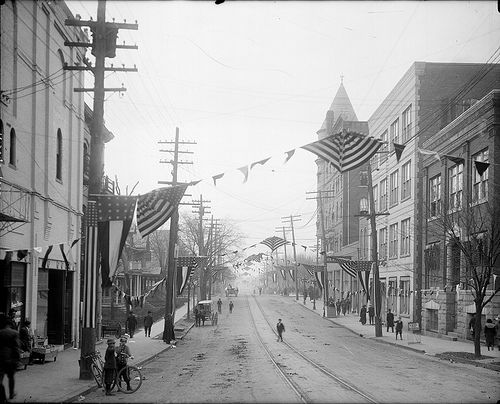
252 80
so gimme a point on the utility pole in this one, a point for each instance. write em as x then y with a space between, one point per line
284 247
103 46
323 244
212 252
201 244
294 219
172 240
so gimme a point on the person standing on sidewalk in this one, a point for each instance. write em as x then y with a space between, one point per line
219 305
131 324
399 328
148 322
122 355
9 357
390 320
362 315
109 366
371 314
490 331
280 327
231 305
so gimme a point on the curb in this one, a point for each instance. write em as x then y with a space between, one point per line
75 397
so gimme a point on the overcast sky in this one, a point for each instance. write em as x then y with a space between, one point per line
251 80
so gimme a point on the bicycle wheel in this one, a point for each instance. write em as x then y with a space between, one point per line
134 376
96 372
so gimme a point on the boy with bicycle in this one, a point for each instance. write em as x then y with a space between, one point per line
109 366
122 354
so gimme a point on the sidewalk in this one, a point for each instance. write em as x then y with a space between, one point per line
428 345
59 381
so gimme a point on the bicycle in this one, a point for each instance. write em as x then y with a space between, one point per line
130 372
96 367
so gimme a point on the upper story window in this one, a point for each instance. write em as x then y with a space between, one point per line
455 176
383 195
383 243
59 150
406 125
406 180
405 237
394 184
480 182
383 148
394 132
435 196
12 150
393 240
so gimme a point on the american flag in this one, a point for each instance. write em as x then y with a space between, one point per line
346 150
114 214
156 207
274 242
90 274
311 269
185 267
352 267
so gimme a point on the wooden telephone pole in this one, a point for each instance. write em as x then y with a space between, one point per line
202 209
295 218
103 46
172 240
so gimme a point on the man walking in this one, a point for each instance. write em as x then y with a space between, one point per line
231 306
9 356
148 322
280 327
131 324
371 314
399 328
219 305
390 320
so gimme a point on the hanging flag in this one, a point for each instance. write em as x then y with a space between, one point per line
193 183
456 160
320 278
311 269
185 267
283 273
481 167
291 273
345 150
217 177
274 242
114 214
429 153
398 148
261 162
289 155
364 277
46 257
156 207
244 170
348 266
91 262
21 254
63 253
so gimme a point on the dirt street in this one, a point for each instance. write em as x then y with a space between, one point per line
231 362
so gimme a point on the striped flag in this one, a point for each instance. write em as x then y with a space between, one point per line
156 207
114 214
320 278
364 275
348 266
346 150
90 275
185 267
311 269
274 242
282 270
291 272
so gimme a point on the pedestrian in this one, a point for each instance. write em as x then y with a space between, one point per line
231 305
122 355
344 306
9 356
280 327
390 320
219 305
362 315
196 313
26 339
131 324
338 307
260 291
371 314
399 328
148 322
109 366
490 331
497 325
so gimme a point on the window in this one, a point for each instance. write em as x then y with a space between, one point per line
375 199
405 237
59 155
391 295
12 151
383 195
406 125
455 175
432 257
383 148
406 180
394 132
393 240
404 296
394 184
363 243
382 253
435 196
480 182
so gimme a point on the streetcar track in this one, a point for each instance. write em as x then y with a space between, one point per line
315 364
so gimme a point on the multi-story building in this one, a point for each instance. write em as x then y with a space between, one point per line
42 130
460 204
426 99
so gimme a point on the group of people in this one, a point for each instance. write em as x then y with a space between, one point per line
131 324
389 320
115 359
343 305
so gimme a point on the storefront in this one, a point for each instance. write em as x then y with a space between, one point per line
13 288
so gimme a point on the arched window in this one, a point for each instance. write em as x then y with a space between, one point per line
59 155
12 150
1 142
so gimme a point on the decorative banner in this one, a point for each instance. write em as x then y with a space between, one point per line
274 242
481 167
289 155
244 171
91 261
291 272
320 278
261 162
185 267
456 160
429 153
398 148
217 177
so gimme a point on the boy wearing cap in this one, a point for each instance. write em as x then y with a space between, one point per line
109 366
122 354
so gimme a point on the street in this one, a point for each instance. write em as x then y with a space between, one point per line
239 360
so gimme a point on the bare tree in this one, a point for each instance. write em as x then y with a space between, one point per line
158 245
473 229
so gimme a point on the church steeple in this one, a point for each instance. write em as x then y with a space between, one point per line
341 107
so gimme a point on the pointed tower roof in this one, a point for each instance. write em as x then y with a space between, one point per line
341 107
